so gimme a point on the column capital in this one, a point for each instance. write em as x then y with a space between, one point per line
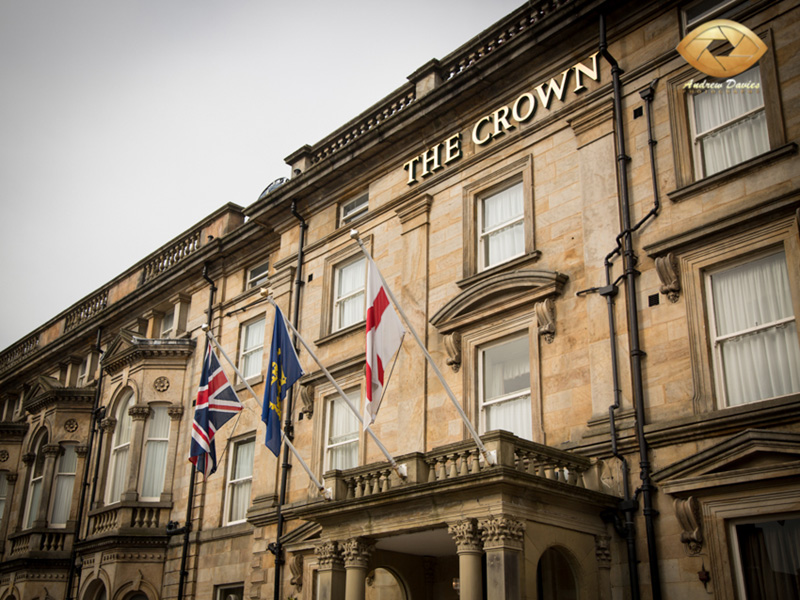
356 552
53 450
81 451
108 424
329 555
139 412
502 532
11 477
175 412
28 458
602 550
466 535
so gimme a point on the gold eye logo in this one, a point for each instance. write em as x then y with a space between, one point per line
747 48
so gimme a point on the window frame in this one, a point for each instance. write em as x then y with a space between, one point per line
146 444
126 401
681 115
473 194
474 341
254 281
167 319
780 233
336 325
30 512
326 446
4 487
504 398
361 202
725 9
243 328
220 591
59 474
230 482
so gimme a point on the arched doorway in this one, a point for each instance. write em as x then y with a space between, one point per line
555 579
382 584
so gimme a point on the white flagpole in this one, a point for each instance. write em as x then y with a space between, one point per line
401 470
489 456
326 492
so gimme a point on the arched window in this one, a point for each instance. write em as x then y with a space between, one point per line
155 452
3 494
36 482
66 467
555 579
120 448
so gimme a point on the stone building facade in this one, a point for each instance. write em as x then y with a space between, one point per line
598 245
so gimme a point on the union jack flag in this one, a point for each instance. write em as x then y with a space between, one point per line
217 402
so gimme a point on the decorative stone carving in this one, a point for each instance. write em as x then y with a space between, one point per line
546 317
357 551
175 412
71 425
11 477
307 398
3 455
688 512
466 536
53 450
108 424
452 344
296 567
161 384
82 451
501 532
28 458
668 274
139 412
602 550
329 555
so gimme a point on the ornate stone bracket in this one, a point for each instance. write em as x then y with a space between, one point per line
108 424
501 532
307 398
139 412
466 536
452 344
668 274
602 550
175 412
296 567
546 316
688 512
28 458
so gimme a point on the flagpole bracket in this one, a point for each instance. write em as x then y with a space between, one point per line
491 457
402 471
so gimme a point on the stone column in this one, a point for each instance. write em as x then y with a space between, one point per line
5 517
175 415
356 553
411 290
82 452
503 544
331 585
139 414
51 453
602 548
468 544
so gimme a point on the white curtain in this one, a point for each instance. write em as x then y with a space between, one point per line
342 435
501 244
155 463
241 480
36 482
64 483
253 348
770 559
739 141
119 453
350 293
506 372
3 494
763 363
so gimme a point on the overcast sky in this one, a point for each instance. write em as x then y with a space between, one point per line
123 123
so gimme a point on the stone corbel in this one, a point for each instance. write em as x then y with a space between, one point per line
307 397
688 512
546 316
668 274
452 344
296 567
602 550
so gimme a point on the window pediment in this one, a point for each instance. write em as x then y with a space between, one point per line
498 293
750 456
47 391
129 349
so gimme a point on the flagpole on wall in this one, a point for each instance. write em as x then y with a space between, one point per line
322 489
401 470
489 456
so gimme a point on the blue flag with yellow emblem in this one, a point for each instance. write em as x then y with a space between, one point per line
284 369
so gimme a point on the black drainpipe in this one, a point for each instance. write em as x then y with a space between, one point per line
636 354
97 415
276 547
187 528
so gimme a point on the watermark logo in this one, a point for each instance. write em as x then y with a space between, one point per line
747 48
